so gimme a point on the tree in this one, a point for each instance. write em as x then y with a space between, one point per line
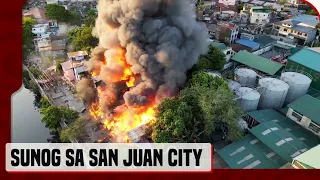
27 36
44 103
317 44
285 10
82 39
282 2
52 117
214 60
74 18
197 112
35 71
206 80
240 7
26 79
74 131
311 12
57 12
58 66
91 18
68 114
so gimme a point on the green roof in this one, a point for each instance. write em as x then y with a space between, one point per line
308 58
283 143
221 46
250 153
311 158
308 106
287 124
257 62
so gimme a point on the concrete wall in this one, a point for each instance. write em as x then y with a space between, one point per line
305 122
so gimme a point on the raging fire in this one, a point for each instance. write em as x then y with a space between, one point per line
124 118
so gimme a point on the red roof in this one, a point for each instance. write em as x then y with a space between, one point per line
227 8
37 13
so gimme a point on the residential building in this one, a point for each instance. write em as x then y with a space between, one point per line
227 32
52 1
260 15
308 160
263 65
74 69
37 14
305 112
227 2
227 51
257 3
41 30
306 60
247 36
301 28
295 2
251 45
275 6
273 142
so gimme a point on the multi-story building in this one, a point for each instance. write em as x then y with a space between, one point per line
227 33
260 15
227 51
75 68
301 28
41 30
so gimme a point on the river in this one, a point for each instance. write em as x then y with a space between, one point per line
26 125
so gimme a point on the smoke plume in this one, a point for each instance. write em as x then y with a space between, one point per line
85 90
159 40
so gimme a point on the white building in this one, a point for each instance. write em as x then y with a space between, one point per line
41 30
228 2
301 28
305 111
52 1
260 15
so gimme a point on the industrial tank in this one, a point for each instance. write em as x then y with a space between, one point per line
248 98
273 93
246 77
298 85
233 85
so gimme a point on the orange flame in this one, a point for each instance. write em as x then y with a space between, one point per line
129 118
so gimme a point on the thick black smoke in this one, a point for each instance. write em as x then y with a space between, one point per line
161 38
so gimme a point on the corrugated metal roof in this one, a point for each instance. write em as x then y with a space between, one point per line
221 46
307 106
311 157
285 144
250 153
248 43
287 124
257 62
308 58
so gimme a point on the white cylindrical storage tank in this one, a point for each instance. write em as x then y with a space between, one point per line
298 85
246 77
273 93
248 98
233 85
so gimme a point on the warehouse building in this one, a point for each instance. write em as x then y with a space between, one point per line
273 141
259 63
307 61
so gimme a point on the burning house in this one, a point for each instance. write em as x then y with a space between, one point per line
147 47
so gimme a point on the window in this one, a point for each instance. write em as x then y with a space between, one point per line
297 116
285 29
228 52
314 127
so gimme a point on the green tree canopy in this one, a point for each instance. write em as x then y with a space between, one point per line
82 39
240 7
207 80
68 114
35 71
214 60
91 18
282 2
44 103
27 36
52 117
74 130
57 12
197 112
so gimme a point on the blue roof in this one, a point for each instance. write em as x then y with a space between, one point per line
307 19
304 29
307 58
248 43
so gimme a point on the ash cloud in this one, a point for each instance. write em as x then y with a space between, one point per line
162 41
85 90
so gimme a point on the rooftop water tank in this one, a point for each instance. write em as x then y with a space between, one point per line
273 93
246 77
298 85
248 98
233 85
